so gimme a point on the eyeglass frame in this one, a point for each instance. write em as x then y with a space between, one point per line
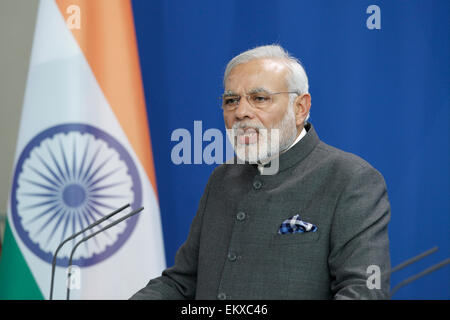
247 96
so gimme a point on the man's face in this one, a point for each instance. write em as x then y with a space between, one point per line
247 121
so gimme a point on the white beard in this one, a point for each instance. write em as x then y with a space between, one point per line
270 142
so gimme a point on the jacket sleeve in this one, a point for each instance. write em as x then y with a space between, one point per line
359 258
179 282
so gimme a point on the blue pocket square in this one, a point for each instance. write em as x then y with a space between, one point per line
296 225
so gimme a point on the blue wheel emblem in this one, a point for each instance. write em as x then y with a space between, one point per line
67 177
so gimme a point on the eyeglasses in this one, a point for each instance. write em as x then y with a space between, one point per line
258 100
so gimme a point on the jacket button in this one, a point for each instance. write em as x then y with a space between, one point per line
232 256
257 184
221 296
240 216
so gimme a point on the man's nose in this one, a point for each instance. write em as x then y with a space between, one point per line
244 110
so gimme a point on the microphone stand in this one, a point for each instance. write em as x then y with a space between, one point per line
74 236
93 235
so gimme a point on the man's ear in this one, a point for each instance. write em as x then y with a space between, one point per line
302 104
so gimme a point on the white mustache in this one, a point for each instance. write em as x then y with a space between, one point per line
242 126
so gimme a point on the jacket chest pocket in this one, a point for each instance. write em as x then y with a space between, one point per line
284 210
293 239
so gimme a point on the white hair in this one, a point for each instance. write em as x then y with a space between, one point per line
296 79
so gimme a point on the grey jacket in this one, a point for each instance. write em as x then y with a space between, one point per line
233 250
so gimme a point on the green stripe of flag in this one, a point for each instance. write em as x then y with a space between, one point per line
16 280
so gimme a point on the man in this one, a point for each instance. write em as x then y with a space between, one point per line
315 228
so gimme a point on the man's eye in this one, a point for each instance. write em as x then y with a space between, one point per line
260 99
231 101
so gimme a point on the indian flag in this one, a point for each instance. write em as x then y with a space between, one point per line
83 151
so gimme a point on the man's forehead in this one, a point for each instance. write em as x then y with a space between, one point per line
258 72
270 65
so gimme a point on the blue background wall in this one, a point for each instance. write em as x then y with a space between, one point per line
381 94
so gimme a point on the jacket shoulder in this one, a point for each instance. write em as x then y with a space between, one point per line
344 162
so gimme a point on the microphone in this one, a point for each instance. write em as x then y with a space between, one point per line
414 259
420 274
112 224
76 235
